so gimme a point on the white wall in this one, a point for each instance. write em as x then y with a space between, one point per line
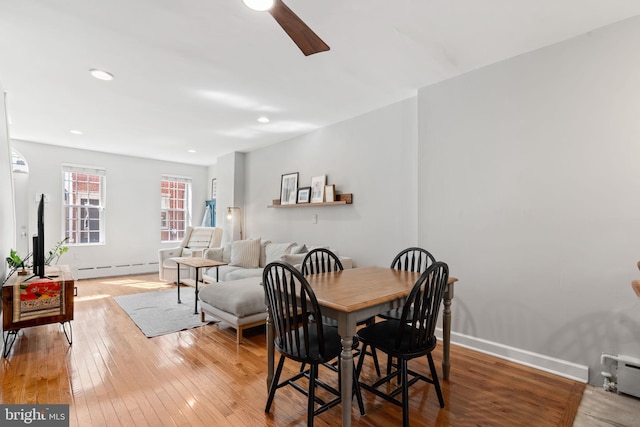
531 191
7 216
132 214
371 156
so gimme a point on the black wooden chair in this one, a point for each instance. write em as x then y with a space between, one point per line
410 259
293 306
322 260
413 335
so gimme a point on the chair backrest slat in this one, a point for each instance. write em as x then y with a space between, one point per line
413 259
321 260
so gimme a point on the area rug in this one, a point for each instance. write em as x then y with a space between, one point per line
158 313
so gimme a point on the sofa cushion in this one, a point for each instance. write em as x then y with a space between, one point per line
215 254
243 273
245 253
275 251
239 297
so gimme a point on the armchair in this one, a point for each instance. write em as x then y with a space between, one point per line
195 241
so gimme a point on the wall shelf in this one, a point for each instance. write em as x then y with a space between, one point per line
342 199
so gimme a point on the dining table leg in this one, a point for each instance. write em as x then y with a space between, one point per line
346 378
446 331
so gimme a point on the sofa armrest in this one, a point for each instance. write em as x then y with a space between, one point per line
346 261
164 254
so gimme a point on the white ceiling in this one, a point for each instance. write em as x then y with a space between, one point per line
196 74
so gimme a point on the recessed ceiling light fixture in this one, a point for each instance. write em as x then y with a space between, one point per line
263 119
101 74
259 5
191 151
75 132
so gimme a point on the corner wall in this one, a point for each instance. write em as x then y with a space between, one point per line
529 188
371 156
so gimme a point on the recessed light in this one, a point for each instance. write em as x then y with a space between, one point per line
191 151
101 74
263 119
259 5
75 132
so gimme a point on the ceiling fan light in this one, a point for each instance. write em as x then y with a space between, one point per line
259 5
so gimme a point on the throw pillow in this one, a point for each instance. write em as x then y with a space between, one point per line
215 254
263 253
226 253
245 253
293 259
299 249
274 251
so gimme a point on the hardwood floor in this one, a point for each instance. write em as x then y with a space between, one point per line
113 375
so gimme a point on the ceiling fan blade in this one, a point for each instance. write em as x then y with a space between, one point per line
303 36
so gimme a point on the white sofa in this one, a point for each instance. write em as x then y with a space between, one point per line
238 300
196 240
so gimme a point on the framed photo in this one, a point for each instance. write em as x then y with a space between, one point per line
304 194
289 188
317 188
330 193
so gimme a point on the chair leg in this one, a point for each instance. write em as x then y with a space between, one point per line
361 359
356 389
274 384
405 391
434 377
375 360
313 375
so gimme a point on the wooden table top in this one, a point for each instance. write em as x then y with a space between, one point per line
198 262
357 288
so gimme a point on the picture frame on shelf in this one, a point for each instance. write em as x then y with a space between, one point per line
330 193
289 188
317 188
304 194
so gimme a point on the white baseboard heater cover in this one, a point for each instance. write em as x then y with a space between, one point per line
629 376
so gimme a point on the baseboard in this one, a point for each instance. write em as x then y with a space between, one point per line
114 270
552 365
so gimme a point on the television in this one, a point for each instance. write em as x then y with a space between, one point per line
38 243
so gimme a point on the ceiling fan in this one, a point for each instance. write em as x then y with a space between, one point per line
303 36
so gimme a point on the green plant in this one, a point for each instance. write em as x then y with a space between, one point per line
56 252
15 261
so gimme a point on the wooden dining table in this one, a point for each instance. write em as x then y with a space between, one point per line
352 295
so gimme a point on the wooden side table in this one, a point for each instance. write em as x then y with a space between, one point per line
197 263
13 319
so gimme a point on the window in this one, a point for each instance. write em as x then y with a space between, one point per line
84 202
175 207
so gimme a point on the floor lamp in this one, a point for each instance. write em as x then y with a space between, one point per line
239 215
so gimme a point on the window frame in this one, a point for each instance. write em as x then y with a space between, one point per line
84 216
181 214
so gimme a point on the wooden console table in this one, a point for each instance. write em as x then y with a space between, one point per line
26 302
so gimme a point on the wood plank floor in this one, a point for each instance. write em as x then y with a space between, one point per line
113 375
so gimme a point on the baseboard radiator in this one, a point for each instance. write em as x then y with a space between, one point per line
627 374
92 272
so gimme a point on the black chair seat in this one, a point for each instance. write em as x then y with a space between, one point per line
332 346
382 335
